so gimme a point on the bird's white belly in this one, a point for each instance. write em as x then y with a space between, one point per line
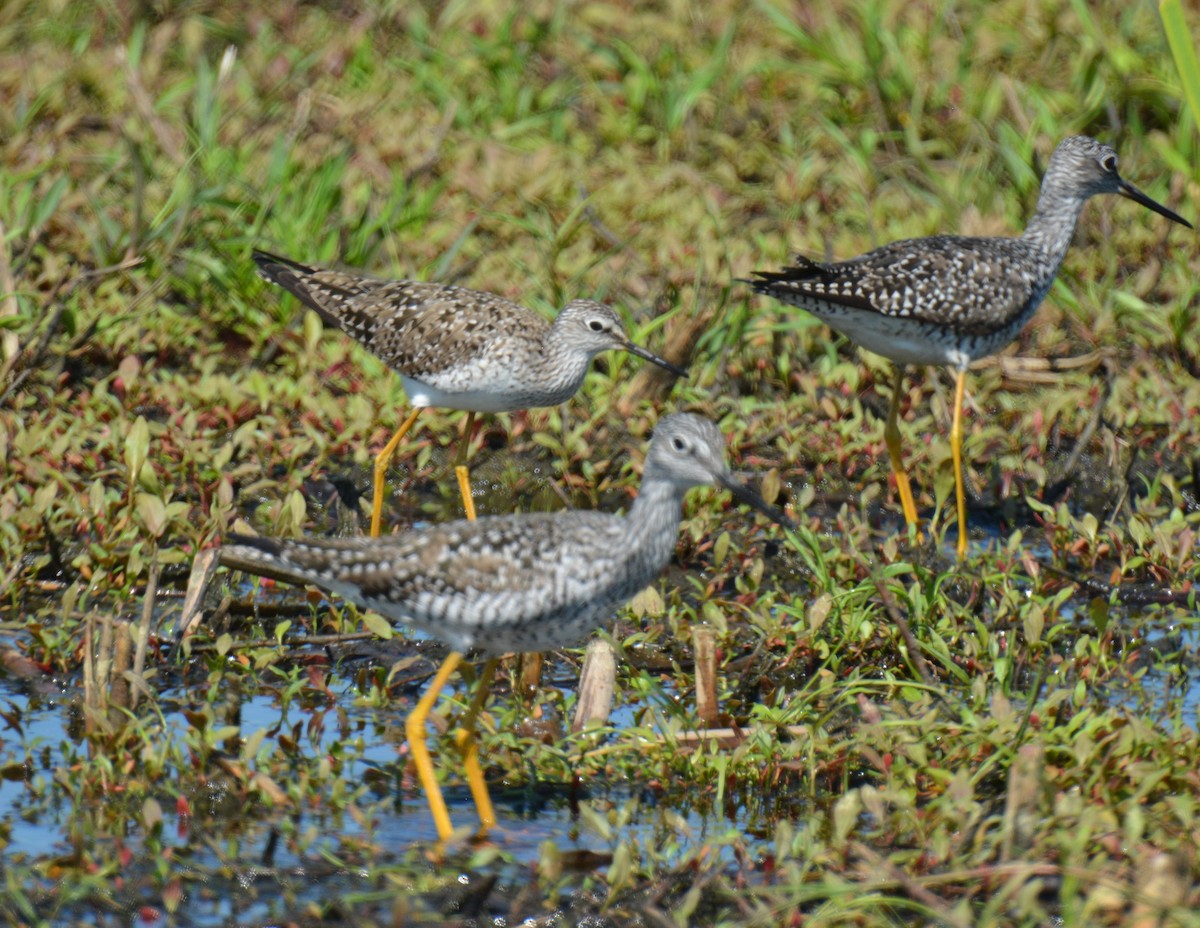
905 341
498 393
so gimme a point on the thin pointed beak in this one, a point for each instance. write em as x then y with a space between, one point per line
1131 192
750 498
654 359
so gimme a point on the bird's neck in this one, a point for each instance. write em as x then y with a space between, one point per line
1053 224
653 521
561 363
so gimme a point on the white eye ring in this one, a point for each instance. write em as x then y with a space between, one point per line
596 325
679 444
1109 163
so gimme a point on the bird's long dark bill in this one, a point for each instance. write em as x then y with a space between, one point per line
1130 191
655 359
750 498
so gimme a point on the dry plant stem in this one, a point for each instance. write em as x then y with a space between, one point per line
143 636
221 613
204 566
1123 495
597 683
10 575
728 737
1025 784
169 138
1046 371
1128 595
89 666
704 646
529 673
104 658
119 690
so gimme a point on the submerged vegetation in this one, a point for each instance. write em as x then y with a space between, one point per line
904 739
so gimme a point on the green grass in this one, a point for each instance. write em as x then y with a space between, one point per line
1026 754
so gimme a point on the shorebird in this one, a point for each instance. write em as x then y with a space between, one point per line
529 582
951 299
456 348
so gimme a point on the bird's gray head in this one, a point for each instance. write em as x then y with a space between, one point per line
592 327
1083 167
689 451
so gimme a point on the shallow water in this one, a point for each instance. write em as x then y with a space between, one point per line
256 866
249 869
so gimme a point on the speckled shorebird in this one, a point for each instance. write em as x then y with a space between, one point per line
951 299
528 582
456 348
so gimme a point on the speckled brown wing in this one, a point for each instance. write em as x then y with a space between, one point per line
415 327
492 555
421 329
502 583
972 285
320 289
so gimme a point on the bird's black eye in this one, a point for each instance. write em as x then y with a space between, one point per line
1109 163
679 444
596 325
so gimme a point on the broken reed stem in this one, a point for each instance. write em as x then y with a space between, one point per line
204 565
597 683
143 635
104 658
118 692
704 647
529 672
89 668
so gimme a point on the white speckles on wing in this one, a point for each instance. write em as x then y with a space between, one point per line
919 299
519 582
479 583
931 300
457 348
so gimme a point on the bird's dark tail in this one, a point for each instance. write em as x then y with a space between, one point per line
272 267
329 294
801 268
263 557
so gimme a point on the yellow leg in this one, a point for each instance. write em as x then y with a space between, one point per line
464 489
891 436
956 452
414 725
381 464
414 728
464 737
460 468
